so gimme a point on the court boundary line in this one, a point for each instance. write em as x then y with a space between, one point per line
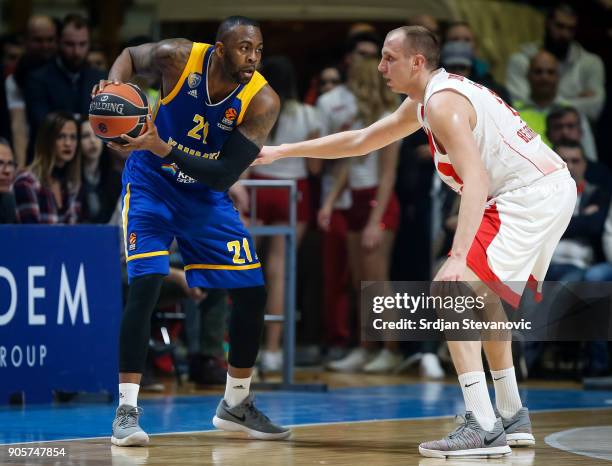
364 421
552 441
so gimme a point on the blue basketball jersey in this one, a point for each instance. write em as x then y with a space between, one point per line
189 121
161 203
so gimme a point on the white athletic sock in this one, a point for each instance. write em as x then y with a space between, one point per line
507 398
476 397
128 394
236 390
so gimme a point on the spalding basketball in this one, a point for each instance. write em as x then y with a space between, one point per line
118 109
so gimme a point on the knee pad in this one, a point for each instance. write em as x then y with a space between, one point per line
246 325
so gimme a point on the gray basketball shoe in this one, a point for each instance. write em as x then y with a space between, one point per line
469 439
126 431
245 417
518 428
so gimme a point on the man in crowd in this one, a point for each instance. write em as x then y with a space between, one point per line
543 96
64 83
582 73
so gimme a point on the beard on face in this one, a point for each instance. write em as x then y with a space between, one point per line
73 64
234 71
559 49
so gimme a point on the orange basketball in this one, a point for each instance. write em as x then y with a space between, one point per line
119 109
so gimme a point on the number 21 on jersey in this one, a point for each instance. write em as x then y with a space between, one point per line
200 130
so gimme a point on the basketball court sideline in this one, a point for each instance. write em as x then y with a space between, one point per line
350 425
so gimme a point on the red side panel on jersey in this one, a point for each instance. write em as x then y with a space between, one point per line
447 170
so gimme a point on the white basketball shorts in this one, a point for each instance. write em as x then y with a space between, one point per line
518 234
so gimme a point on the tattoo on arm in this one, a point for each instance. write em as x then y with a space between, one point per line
261 116
165 59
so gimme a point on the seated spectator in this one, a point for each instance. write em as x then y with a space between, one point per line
602 272
101 183
66 82
576 249
40 49
7 176
582 74
458 57
47 191
565 124
460 31
543 96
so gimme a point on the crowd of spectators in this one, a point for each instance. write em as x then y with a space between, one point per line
385 216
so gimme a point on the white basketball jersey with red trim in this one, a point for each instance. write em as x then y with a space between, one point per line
514 155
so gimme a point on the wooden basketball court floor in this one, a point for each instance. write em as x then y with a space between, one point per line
360 420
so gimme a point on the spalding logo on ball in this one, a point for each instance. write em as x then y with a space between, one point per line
118 109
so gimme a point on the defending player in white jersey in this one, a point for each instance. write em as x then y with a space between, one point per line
517 198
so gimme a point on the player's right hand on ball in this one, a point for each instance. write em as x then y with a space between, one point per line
101 85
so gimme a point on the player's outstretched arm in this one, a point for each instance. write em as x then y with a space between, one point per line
236 155
452 118
162 60
398 125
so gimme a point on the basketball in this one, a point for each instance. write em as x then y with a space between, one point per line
119 109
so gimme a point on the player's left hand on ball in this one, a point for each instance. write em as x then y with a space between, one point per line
149 140
453 270
267 155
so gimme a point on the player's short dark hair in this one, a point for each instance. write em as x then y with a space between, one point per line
74 19
228 24
365 36
421 40
559 112
570 144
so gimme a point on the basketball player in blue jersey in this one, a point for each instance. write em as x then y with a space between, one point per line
214 114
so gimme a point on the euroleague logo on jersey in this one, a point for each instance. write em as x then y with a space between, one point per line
132 241
228 119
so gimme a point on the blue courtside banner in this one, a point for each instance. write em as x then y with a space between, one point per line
60 309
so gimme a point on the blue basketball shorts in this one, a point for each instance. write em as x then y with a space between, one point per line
217 250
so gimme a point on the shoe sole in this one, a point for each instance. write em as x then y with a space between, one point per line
230 426
521 439
137 439
491 452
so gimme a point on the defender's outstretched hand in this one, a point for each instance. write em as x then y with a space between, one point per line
267 155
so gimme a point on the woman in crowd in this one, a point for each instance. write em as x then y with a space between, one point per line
296 122
374 214
101 181
47 191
